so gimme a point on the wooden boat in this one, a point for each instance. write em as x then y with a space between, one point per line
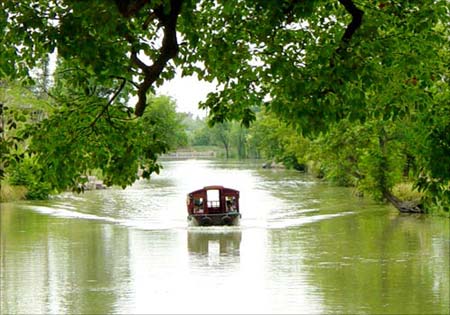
213 205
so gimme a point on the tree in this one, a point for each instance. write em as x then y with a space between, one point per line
278 141
230 135
60 148
19 107
312 63
221 135
239 136
367 155
202 136
79 137
109 41
198 131
163 125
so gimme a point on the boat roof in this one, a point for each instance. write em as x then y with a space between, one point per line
214 187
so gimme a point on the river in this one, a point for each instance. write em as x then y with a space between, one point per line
303 247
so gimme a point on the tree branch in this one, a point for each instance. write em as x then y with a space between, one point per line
356 22
403 206
118 90
357 15
168 51
129 8
111 100
127 80
352 27
138 62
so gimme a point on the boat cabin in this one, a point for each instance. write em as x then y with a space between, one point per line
213 205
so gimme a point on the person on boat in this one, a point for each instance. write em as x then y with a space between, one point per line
198 205
230 206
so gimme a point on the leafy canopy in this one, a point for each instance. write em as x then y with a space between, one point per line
312 63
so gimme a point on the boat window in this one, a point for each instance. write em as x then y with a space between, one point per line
213 198
231 203
198 205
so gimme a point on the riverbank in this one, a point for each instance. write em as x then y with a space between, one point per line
9 193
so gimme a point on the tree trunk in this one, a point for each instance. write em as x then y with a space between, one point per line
226 150
403 206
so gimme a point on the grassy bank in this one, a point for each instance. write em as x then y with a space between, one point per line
12 193
407 192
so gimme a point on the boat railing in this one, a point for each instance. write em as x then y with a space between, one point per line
214 204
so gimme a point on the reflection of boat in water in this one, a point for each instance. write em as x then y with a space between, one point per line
213 205
229 242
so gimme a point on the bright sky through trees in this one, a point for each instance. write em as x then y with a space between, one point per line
187 93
